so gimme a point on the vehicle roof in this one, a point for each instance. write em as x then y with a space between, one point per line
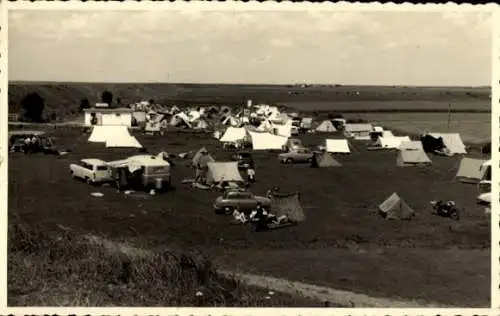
94 161
26 132
148 160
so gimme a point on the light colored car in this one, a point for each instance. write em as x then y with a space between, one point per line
244 201
91 170
298 155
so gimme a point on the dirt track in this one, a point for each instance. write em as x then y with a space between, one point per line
340 206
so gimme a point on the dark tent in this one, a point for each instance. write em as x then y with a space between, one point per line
432 144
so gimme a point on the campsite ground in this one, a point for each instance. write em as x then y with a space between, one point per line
343 243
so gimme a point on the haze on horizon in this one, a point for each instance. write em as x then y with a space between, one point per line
244 47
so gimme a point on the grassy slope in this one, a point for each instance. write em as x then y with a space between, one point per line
63 98
97 276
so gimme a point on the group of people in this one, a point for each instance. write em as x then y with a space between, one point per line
260 217
28 145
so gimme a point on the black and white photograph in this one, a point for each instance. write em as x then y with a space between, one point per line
204 155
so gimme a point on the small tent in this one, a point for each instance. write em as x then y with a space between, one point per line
452 141
394 207
470 169
359 131
326 126
411 153
391 142
324 160
337 146
288 205
223 171
234 134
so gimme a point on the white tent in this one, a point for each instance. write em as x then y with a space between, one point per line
113 136
452 141
223 171
411 145
470 170
234 134
267 141
337 146
392 142
283 129
411 153
326 126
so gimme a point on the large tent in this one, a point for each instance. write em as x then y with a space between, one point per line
234 134
113 136
267 141
394 207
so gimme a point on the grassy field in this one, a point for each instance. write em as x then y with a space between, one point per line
473 127
342 244
63 99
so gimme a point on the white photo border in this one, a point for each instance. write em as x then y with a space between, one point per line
251 6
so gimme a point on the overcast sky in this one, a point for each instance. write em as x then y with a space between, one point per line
375 48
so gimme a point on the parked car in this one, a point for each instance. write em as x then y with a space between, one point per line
292 143
244 159
244 201
91 170
299 155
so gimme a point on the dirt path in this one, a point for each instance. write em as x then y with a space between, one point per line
325 294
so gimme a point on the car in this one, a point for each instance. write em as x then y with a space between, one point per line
244 201
298 155
244 159
92 171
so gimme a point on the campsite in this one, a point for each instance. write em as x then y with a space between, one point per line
342 242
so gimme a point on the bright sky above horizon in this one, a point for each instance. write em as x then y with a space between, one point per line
280 47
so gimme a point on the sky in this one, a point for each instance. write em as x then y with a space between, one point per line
259 47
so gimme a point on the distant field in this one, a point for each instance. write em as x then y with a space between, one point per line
473 127
394 106
63 99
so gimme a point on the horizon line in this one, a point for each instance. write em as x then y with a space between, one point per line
242 84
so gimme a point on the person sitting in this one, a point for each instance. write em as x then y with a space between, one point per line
239 216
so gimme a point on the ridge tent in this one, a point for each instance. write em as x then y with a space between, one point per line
326 126
289 205
470 170
324 160
358 131
452 141
223 171
394 207
393 142
411 153
337 146
267 141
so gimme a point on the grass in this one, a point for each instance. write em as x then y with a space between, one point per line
95 276
473 127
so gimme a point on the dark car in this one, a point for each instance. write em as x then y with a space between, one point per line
244 159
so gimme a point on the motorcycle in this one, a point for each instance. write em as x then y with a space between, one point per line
445 209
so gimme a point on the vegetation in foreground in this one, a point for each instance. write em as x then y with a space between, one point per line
65 269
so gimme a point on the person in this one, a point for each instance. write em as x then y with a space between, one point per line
251 175
34 143
239 216
27 145
118 181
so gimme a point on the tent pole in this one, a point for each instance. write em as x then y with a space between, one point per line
449 116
